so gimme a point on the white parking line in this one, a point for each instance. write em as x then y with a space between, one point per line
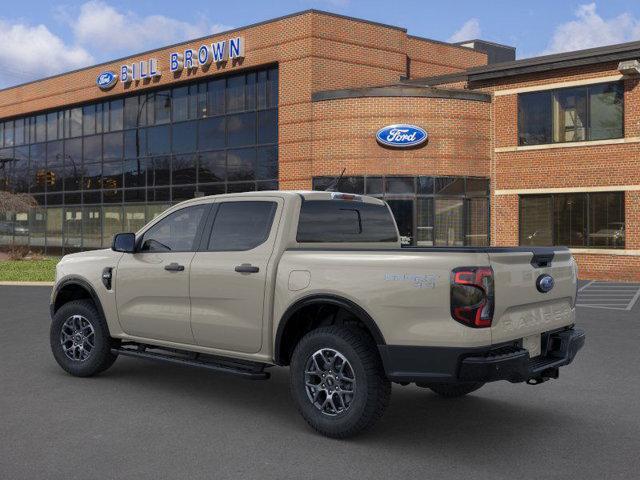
585 285
634 300
609 296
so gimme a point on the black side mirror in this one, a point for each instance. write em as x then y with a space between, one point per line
124 242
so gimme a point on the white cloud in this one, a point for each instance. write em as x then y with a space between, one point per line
104 29
591 30
98 32
28 52
469 31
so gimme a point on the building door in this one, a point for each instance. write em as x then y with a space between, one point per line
403 212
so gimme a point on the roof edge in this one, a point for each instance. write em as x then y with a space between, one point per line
556 61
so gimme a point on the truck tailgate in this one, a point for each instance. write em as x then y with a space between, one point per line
521 309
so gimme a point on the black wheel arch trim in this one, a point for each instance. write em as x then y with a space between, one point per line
331 299
80 282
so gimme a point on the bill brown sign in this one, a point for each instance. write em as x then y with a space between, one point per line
189 59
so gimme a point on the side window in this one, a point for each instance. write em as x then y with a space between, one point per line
241 225
175 233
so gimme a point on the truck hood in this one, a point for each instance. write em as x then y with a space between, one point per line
89 262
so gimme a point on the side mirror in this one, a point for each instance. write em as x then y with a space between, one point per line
124 242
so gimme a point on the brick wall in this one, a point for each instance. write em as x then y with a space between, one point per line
430 58
344 136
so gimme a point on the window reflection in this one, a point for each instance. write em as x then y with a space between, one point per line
86 163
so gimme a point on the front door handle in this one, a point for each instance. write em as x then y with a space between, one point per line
174 267
247 268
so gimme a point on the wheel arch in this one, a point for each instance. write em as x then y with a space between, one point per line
288 319
74 288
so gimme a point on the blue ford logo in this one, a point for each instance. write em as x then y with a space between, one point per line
106 80
545 283
401 136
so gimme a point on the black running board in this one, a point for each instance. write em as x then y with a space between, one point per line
248 370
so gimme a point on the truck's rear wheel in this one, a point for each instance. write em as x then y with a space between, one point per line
338 382
80 339
452 390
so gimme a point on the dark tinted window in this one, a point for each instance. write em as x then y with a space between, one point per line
241 225
345 221
574 219
175 233
593 112
534 118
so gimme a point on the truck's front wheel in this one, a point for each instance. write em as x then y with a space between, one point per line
80 339
338 382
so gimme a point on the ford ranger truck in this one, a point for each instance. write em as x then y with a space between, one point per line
318 282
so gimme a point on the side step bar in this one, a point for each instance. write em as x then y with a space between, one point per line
248 370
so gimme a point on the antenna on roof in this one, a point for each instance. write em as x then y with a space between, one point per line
333 186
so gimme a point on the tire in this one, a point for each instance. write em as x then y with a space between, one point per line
453 390
353 409
95 355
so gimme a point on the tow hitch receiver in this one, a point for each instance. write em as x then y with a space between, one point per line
544 376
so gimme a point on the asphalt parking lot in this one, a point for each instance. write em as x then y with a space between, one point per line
146 420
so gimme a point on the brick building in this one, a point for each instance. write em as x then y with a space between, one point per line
535 152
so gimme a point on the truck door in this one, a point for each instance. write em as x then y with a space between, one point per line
152 285
230 272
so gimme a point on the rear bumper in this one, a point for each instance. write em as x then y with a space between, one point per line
511 362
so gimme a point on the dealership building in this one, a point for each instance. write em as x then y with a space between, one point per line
540 151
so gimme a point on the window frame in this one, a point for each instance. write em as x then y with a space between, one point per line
197 242
552 93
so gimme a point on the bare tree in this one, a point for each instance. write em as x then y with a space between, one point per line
16 202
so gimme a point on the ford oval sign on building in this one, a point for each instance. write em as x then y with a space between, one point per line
401 136
106 80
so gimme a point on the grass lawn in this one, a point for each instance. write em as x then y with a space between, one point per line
28 270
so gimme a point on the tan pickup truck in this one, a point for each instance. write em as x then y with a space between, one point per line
319 282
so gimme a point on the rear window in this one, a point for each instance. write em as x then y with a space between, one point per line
345 221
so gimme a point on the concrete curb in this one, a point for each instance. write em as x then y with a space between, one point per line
27 284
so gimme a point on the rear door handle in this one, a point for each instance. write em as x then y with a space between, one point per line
247 268
174 267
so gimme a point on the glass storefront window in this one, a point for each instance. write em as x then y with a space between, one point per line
449 222
92 227
588 220
111 224
73 228
134 218
477 231
400 185
37 227
424 227
82 163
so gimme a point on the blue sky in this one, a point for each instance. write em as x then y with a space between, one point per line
43 37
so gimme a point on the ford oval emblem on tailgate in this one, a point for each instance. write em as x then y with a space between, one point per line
545 283
401 136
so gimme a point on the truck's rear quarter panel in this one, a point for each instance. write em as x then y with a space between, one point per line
406 292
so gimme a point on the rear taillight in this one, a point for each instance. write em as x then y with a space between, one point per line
472 296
